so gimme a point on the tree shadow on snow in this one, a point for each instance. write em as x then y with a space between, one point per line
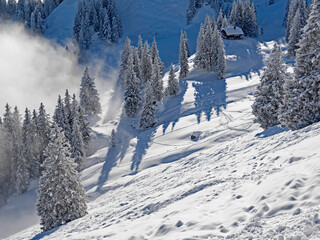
142 145
123 136
209 94
271 132
44 234
173 106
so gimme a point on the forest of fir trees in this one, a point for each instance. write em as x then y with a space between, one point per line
51 150
292 100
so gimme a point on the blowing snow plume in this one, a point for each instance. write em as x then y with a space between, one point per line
33 70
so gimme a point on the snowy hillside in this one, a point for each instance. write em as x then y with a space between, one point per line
206 170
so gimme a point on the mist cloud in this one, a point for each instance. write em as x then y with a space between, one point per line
34 70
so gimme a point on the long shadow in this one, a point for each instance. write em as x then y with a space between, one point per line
116 153
44 234
209 95
142 145
174 105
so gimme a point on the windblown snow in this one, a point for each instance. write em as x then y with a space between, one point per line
206 170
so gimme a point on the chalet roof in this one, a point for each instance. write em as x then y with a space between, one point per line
230 30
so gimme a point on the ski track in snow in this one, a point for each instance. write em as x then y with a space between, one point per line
234 181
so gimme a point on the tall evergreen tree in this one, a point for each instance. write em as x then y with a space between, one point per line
132 94
301 107
113 138
140 47
173 83
148 118
89 97
124 61
270 92
186 43
155 58
43 131
183 57
61 197
77 112
146 64
295 34
157 83
200 60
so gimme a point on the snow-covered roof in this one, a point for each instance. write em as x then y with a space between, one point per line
232 30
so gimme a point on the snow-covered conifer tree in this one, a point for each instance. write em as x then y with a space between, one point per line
113 138
146 64
186 43
220 60
61 197
137 65
132 93
77 145
61 119
200 60
301 104
220 20
124 61
183 57
270 92
43 130
157 83
173 83
89 97
140 47
155 58
148 118
77 112
295 34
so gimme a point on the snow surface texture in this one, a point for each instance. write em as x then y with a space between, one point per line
233 180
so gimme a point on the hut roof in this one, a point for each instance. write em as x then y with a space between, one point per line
232 30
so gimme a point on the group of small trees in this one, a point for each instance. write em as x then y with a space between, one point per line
210 55
295 19
295 103
52 150
22 145
99 17
141 72
31 13
61 197
243 15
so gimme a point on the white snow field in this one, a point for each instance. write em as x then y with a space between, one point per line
232 181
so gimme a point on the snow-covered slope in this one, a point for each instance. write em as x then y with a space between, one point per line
232 181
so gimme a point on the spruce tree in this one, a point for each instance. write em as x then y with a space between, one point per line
140 47
113 138
220 60
77 145
89 97
77 112
301 107
61 119
28 140
200 60
155 58
61 197
157 83
148 118
43 131
220 20
186 43
183 57
132 94
146 64
124 61
295 34
137 65
173 83
270 92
